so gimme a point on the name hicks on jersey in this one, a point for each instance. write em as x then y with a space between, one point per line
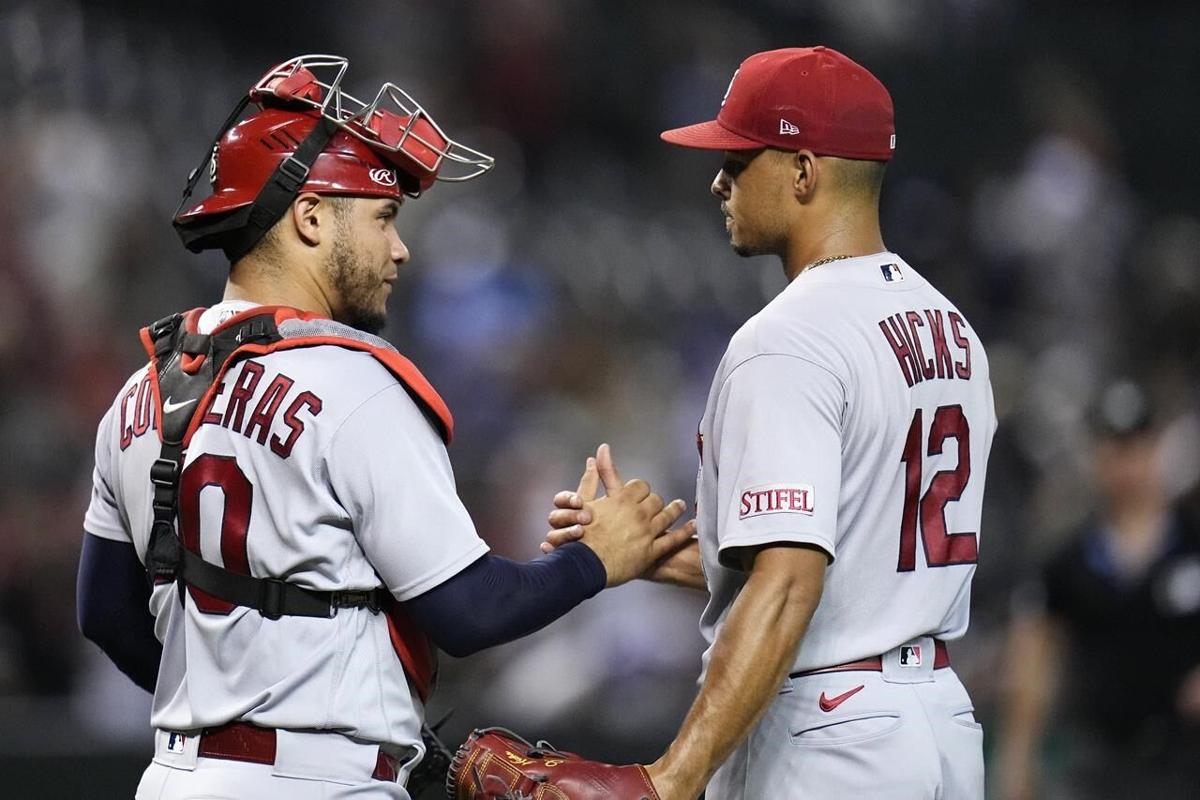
908 333
137 409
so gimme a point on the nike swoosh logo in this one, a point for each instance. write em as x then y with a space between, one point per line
830 703
170 407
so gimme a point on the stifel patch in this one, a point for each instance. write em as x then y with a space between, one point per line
795 498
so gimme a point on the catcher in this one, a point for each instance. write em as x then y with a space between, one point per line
280 475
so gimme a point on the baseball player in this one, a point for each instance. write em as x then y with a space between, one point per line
281 476
843 451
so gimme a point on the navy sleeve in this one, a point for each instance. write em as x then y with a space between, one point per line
496 600
112 599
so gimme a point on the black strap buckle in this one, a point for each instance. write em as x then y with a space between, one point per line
163 472
361 598
270 597
255 330
292 174
165 325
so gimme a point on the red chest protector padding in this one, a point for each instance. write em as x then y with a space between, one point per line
189 366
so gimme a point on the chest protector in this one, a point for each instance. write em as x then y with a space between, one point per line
186 368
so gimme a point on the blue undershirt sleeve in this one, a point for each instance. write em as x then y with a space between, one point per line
112 599
496 600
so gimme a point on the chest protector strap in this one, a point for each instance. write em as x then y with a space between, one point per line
186 368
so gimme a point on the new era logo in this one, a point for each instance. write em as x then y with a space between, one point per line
787 129
729 88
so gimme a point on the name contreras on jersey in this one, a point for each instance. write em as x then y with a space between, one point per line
247 410
908 333
138 416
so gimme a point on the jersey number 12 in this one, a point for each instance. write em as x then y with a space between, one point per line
928 511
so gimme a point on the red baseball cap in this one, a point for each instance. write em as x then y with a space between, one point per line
800 97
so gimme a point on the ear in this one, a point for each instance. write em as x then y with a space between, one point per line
308 216
805 173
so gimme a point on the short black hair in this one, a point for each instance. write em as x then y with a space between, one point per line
268 246
861 178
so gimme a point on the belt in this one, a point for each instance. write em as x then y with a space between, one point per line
941 660
241 741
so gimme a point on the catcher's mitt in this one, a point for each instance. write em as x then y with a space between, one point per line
497 764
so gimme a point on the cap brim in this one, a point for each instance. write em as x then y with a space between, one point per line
709 135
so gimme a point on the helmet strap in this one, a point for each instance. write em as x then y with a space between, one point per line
194 176
239 232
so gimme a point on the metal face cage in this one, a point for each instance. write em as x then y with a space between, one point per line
392 122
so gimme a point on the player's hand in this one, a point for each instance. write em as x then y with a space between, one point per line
570 512
627 528
679 567
682 567
569 515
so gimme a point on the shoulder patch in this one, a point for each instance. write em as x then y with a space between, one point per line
777 498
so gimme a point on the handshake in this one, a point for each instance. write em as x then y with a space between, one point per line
628 529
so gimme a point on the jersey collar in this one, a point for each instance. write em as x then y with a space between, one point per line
881 270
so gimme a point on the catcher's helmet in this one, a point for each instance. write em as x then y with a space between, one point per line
311 136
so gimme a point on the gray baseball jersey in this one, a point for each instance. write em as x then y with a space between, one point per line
854 414
313 465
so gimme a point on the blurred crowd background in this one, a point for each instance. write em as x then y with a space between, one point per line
1046 179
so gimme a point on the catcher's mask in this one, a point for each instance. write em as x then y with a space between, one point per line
309 135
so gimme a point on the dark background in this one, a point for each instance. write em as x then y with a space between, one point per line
1045 179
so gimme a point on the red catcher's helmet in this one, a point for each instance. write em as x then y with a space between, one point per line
311 136
253 149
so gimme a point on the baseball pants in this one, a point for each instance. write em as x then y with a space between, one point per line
309 767
904 733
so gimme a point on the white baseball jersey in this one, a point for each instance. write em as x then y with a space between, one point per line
853 413
313 465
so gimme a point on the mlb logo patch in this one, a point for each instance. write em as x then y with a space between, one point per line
891 272
175 742
910 655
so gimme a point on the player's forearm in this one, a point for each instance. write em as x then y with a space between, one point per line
682 568
496 600
112 605
750 660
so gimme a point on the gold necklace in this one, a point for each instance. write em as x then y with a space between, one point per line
820 262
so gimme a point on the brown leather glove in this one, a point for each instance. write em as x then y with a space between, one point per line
497 764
